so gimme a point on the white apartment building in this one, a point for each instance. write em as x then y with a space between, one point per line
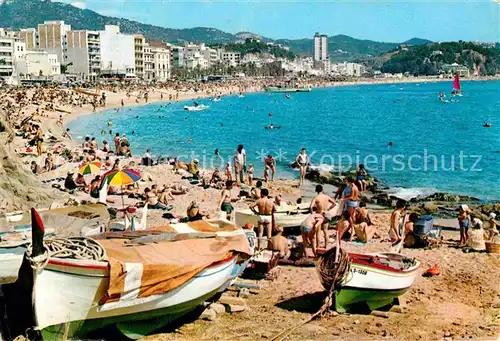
139 43
52 38
177 56
38 63
229 57
149 63
320 47
349 69
161 58
194 55
84 53
6 56
117 52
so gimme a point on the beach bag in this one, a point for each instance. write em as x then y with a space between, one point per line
424 225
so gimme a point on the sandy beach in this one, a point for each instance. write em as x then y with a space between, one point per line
463 302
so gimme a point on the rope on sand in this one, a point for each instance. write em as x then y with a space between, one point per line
332 275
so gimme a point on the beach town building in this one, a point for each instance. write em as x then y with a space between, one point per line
52 38
38 64
320 47
161 59
29 36
6 55
117 53
199 55
230 58
177 56
451 69
139 42
348 69
83 55
149 63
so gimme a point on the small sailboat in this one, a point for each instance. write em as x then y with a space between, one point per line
456 91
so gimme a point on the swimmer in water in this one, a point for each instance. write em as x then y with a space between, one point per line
389 144
110 124
137 117
133 132
110 132
221 124
190 140
216 152
270 114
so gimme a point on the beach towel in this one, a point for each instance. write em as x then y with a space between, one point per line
139 273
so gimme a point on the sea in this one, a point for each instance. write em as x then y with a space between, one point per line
402 133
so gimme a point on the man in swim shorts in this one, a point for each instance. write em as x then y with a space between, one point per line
322 203
226 200
265 209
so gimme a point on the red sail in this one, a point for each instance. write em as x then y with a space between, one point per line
456 82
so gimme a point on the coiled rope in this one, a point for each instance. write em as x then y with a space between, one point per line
73 247
332 275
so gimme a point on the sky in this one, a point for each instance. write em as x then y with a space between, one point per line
389 20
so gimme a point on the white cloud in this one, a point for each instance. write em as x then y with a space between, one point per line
79 4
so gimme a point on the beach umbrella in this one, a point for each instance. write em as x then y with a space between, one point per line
122 177
90 168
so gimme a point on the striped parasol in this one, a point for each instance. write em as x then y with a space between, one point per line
90 168
122 177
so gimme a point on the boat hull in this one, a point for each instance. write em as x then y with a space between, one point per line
284 219
67 294
374 281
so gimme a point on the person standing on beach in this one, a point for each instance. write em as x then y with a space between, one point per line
269 165
240 160
264 209
225 204
350 196
117 142
395 230
464 223
321 204
303 161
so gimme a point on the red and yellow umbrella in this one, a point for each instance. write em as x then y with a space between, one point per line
90 168
122 177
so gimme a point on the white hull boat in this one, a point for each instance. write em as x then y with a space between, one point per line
66 298
196 107
373 280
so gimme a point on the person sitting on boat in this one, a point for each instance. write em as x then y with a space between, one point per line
308 230
463 223
361 176
265 209
396 228
363 227
279 243
196 104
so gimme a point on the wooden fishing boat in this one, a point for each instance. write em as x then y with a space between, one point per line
69 297
372 280
286 215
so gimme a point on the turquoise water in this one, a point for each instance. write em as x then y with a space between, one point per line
335 124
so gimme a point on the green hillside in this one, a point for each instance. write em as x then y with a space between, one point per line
428 59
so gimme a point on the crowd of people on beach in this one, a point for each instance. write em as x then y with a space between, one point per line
30 110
